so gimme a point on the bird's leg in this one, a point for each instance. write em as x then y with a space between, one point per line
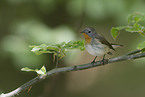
103 56
103 60
94 60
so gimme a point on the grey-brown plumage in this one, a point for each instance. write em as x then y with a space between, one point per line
104 41
96 44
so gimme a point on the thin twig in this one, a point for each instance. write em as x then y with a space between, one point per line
72 68
134 52
56 60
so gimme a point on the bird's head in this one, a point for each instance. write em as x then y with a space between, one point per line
90 32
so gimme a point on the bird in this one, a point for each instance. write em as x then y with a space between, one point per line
96 44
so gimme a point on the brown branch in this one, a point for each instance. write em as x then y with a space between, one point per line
132 55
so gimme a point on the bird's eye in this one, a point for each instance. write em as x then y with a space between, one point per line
89 31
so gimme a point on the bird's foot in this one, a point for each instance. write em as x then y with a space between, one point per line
104 61
93 61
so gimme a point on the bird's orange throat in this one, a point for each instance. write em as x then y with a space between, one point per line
87 38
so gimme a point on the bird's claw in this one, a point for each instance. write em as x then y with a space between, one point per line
104 61
93 61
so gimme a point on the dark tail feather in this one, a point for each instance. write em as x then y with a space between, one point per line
116 45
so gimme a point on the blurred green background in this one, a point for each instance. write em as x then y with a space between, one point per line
33 22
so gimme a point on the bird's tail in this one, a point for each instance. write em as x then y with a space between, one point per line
116 45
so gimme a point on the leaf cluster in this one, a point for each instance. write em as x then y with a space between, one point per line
134 25
58 49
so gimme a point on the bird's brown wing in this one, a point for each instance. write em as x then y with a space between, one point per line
104 41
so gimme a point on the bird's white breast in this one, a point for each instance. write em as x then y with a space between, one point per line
97 50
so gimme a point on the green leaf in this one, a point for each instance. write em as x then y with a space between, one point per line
143 50
136 28
135 18
141 45
115 31
27 69
42 71
120 27
142 33
132 29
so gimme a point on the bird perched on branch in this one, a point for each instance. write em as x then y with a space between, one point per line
96 44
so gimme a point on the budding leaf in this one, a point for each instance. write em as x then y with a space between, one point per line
27 69
42 71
